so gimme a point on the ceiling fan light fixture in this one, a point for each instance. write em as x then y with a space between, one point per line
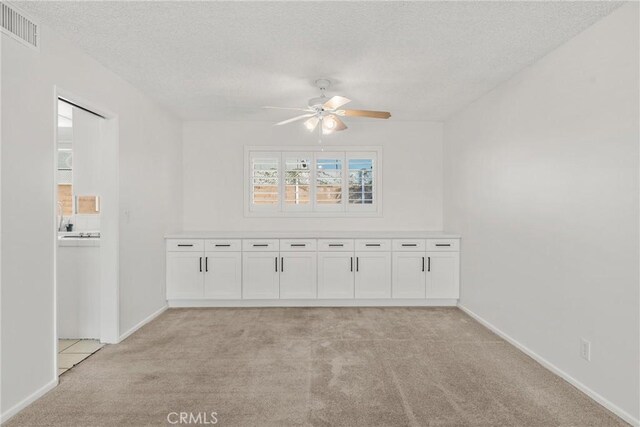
329 123
311 123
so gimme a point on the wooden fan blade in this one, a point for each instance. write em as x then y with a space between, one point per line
331 124
365 113
311 123
335 102
294 119
286 108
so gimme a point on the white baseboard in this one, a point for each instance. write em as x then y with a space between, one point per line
142 323
314 303
559 372
4 417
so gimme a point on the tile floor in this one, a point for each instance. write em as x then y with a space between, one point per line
72 352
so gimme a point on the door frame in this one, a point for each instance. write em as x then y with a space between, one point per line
109 222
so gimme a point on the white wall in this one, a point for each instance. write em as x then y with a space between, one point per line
541 180
150 201
213 164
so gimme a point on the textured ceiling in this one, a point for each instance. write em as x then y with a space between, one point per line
223 60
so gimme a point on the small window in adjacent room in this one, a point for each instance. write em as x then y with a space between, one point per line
283 182
88 205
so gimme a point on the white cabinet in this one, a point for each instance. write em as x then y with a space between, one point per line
185 275
223 275
409 275
304 269
443 274
335 275
195 274
298 275
373 275
260 275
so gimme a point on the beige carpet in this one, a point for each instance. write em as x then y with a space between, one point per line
314 366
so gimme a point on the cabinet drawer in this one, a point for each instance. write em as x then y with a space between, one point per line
185 245
233 245
257 245
338 245
297 244
443 245
409 244
373 245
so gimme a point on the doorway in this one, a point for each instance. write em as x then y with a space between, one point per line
86 230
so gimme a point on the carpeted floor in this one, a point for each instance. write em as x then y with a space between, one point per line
314 366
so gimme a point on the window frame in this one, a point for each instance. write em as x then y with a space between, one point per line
313 209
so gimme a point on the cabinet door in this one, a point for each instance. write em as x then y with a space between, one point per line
373 275
185 277
443 274
223 275
260 275
409 274
298 275
335 275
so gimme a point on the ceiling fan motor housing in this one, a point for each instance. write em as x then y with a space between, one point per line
322 84
317 102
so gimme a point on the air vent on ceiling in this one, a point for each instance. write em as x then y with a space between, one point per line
18 26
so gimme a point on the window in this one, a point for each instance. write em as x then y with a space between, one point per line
329 182
297 180
361 181
264 180
282 182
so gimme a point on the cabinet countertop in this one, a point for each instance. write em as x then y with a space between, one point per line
312 235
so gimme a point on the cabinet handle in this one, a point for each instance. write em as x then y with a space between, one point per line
297 245
185 246
200 264
409 244
422 263
276 264
336 245
282 264
222 246
206 264
372 244
357 264
351 263
260 245
443 244
428 263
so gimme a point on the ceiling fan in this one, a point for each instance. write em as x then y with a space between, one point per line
325 112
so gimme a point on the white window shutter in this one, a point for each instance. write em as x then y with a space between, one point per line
264 181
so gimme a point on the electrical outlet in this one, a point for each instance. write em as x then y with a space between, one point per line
585 350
